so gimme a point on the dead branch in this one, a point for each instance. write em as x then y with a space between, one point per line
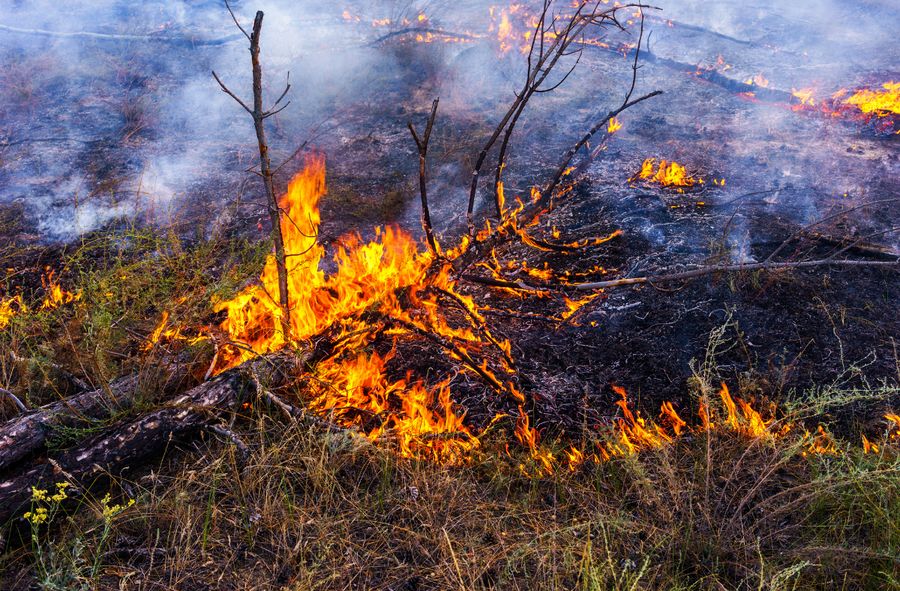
15 400
259 115
422 145
736 268
542 60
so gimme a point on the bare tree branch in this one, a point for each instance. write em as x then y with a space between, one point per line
422 145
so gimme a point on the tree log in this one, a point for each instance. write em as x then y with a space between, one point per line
131 445
28 434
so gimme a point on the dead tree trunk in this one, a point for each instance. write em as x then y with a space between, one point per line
29 433
260 114
130 445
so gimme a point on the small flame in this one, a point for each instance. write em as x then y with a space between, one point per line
56 295
10 307
758 80
614 126
667 174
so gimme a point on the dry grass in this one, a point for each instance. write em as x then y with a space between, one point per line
316 510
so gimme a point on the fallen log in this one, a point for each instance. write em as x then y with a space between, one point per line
28 434
132 444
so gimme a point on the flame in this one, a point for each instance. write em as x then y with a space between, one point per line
10 307
868 446
821 443
667 174
894 418
529 437
805 96
161 332
879 102
614 126
758 80
367 275
56 295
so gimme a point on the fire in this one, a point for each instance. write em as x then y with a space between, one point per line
614 126
879 102
367 276
667 174
10 307
805 96
56 295
894 419
758 80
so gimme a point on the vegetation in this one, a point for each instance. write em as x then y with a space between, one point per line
309 507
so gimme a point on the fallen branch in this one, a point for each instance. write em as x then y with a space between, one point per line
713 269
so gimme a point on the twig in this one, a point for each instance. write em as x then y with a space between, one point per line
230 435
19 404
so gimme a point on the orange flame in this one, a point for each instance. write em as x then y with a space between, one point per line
367 275
879 102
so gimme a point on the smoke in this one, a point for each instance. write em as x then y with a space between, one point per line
100 128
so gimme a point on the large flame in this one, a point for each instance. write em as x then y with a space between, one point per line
368 275
880 102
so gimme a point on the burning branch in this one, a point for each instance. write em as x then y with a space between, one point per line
259 115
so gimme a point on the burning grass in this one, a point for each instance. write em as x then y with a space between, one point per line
317 509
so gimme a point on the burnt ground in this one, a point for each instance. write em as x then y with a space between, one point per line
101 147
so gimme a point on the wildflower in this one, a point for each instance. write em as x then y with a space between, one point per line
38 494
60 492
110 511
37 516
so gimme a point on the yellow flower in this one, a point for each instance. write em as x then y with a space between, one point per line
110 511
38 494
